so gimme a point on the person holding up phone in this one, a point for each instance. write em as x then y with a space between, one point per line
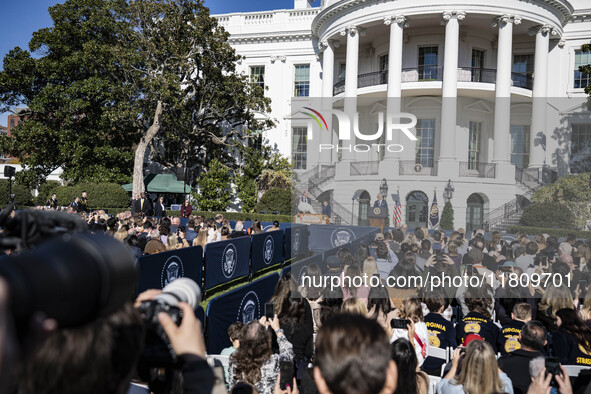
411 326
254 362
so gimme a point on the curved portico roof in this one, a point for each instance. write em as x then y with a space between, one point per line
340 13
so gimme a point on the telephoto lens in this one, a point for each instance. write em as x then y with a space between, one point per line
72 278
157 351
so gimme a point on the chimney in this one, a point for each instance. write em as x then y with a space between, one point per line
299 4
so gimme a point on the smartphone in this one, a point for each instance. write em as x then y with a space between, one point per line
469 269
553 367
506 268
286 374
399 323
269 310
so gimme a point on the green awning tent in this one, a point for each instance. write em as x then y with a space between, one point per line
162 183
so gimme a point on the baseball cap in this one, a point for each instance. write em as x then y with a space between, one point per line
333 262
471 337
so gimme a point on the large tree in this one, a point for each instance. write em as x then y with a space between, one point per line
111 75
76 112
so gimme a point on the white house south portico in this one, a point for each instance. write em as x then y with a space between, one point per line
492 85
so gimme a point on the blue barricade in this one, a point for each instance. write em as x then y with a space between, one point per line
243 304
226 261
157 270
323 236
300 268
267 250
296 241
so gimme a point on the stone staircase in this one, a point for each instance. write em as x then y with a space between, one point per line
313 181
509 214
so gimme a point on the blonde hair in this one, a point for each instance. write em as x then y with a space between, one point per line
556 298
172 242
354 305
522 311
480 370
120 235
411 239
201 239
370 267
412 309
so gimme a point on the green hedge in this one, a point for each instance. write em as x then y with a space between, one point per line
541 214
99 195
239 216
554 232
23 196
275 200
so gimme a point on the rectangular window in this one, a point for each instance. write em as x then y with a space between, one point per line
302 80
384 69
582 59
523 70
474 145
425 142
342 71
299 147
520 146
257 76
477 65
428 63
580 148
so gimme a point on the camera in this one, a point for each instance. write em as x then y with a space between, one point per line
73 279
158 351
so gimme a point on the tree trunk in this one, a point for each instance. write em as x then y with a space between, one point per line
140 152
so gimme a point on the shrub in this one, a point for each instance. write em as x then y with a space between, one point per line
239 216
44 191
553 232
275 200
23 196
447 217
215 188
547 214
100 195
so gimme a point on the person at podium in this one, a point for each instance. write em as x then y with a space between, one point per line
380 202
305 204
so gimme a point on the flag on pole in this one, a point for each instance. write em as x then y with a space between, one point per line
397 210
434 213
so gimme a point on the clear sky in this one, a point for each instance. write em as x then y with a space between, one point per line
23 17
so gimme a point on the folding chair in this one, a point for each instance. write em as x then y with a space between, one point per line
574 370
433 380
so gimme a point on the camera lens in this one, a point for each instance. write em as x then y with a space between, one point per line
180 290
73 279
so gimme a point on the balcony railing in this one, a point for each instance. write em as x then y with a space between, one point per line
411 167
476 74
522 80
433 73
477 170
364 168
422 74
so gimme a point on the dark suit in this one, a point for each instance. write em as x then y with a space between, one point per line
304 199
159 209
326 210
380 203
516 366
144 206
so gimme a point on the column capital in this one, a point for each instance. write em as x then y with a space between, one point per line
281 58
447 15
561 43
323 44
542 29
506 19
353 30
398 19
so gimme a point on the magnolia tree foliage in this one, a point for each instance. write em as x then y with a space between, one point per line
112 78
215 188
586 68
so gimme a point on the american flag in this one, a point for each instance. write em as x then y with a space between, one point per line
397 210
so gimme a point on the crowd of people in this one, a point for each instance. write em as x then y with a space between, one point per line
378 338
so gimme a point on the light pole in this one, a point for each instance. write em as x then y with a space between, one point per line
448 192
384 188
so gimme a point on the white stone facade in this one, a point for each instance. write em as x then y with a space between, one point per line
493 84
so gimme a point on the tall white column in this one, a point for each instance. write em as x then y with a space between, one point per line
327 138
447 137
502 118
394 91
351 71
537 139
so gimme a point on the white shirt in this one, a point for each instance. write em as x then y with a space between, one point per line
423 334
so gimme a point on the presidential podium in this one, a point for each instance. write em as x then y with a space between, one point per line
377 217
